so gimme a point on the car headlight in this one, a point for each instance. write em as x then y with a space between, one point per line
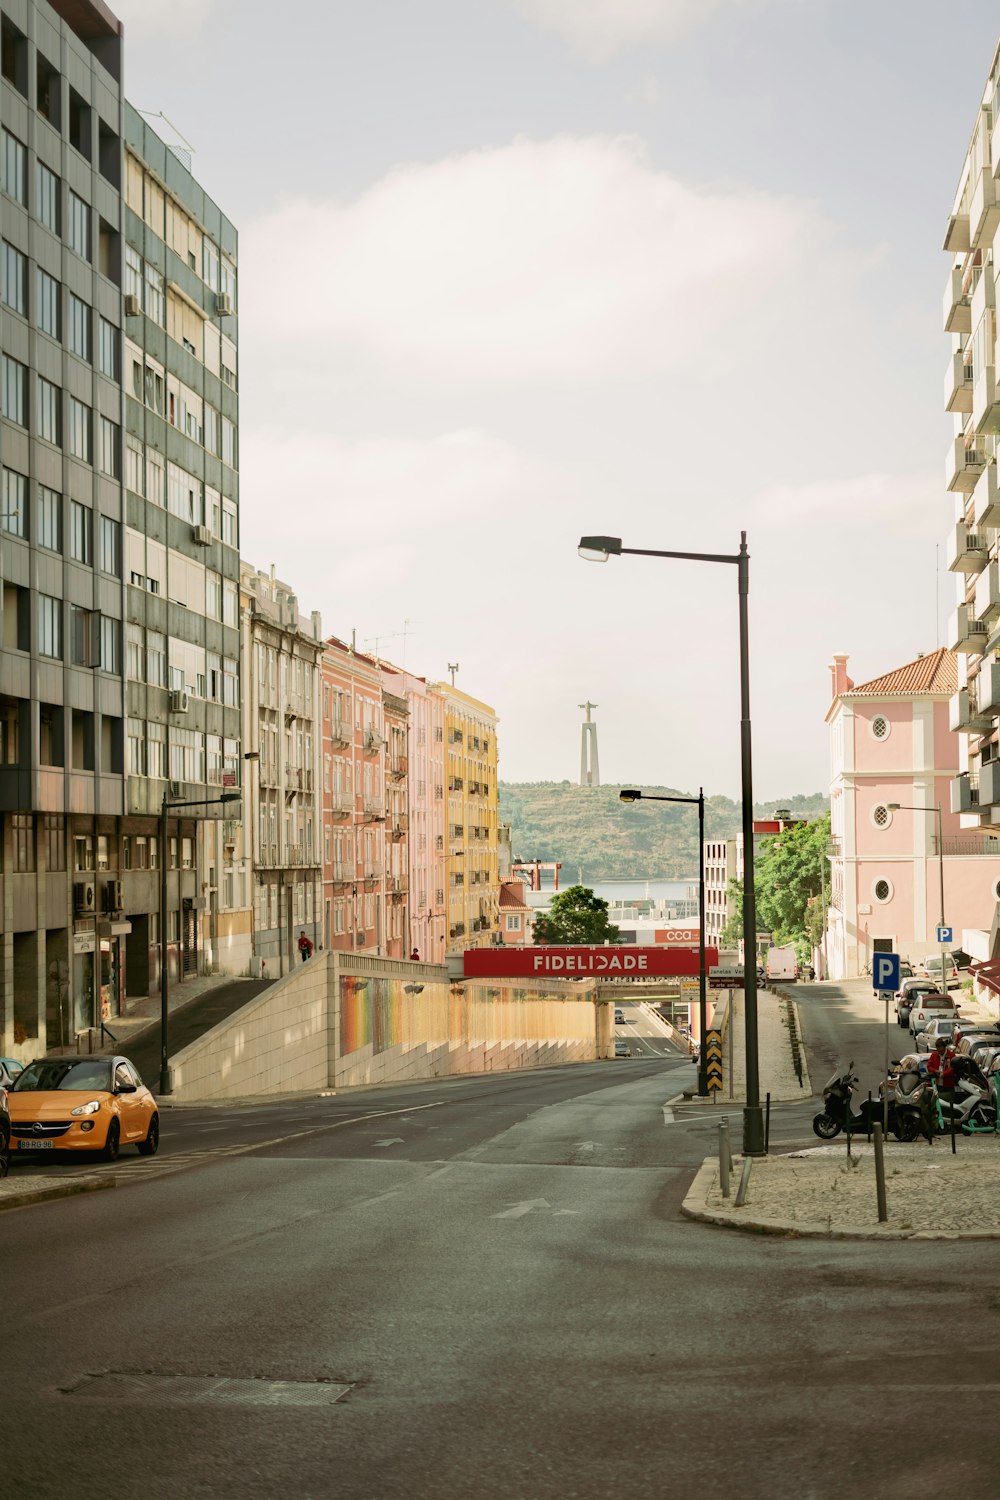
90 1108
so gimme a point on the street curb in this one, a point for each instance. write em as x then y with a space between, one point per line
25 1197
695 1206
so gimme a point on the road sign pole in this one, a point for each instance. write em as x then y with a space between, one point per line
730 1044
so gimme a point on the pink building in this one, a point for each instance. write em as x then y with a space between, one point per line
424 813
890 742
515 914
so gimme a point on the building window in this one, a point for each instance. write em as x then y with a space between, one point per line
79 326
154 294
882 890
14 277
111 637
109 558
107 348
49 626
47 418
136 747
47 298
81 533
15 177
80 419
79 226
881 816
156 764
55 841
155 477
133 274
879 727
156 658
110 434
47 188
15 503
230 603
23 829
48 532
229 523
14 393
228 443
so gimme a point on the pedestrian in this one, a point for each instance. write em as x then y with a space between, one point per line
415 955
812 972
305 947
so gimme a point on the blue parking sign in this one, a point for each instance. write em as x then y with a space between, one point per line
885 971
944 934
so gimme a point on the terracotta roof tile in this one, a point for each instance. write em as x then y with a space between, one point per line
935 673
512 894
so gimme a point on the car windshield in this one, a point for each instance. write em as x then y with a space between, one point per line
64 1073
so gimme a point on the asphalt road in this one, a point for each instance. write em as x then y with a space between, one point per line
487 1293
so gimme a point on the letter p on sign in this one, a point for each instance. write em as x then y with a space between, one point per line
885 971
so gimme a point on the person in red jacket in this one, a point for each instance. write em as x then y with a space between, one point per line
305 947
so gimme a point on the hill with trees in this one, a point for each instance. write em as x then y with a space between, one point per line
598 838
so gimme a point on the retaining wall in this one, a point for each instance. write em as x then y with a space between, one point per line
343 1020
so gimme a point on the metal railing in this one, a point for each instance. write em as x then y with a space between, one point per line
971 844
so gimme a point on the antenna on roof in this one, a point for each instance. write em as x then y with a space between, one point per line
453 668
182 147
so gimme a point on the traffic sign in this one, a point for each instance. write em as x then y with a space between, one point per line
885 971
944 934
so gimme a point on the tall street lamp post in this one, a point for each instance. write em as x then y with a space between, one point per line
629 795
936 810
164 980
599 549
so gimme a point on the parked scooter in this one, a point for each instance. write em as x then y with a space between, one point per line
972 1101
837 1114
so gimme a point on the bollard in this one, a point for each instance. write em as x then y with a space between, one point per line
951 1115
848 1126
869 1121
767 1122
724 1162
741 1191
729 1144
883 1212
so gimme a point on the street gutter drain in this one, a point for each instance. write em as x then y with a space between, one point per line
187 1390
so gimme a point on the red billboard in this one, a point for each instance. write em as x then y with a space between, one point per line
621 961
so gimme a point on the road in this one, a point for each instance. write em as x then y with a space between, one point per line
488 1293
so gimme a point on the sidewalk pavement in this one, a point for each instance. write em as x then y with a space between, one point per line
144 1012
821 1191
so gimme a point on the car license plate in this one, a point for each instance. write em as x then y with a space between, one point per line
34 1145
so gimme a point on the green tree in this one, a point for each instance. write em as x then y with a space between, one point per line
732 934
576 915
788 880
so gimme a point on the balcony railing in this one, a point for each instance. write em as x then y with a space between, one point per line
399 766
343 872
373 742
373 870
341 803
374 807
972 844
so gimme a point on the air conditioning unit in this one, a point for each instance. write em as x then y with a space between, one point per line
202 535
114 896
180 701
83 896
224 304
174 788
133 307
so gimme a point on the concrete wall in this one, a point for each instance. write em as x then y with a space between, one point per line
342 1020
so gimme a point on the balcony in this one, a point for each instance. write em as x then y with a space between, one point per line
977 844
989 784
956 236
373 742
986 498
397 885
966 551
966 633
986 400
995 147
984 209
988 689
373 870
340 803
399 767
988 594
374 809
964 713
965 793
966 460
957 309
294 778
343 872
958 382
340 733
267 856
399 828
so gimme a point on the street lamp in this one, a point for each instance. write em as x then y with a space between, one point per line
630 795
599 549
936 810
164 981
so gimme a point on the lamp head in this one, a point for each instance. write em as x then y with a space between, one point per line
629 794
231 797
599 548
893 806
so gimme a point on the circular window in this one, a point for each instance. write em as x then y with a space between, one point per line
879 727
881 815
882 890
996 890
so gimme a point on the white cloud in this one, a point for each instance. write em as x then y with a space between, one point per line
144 17
570 259
880 499
599 28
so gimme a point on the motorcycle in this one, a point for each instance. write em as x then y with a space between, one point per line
972 1101
837 1114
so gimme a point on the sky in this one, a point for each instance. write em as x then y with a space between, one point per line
516 271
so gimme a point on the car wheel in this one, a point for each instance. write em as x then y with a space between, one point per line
4 1156
111 1145
148 1147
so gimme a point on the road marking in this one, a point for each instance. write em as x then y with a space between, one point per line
394 1140
518 1210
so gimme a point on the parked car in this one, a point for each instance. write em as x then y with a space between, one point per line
82 1104
931 968
9 1069
929 1008
910 990
622 1048
905 970
4 1133
927 1039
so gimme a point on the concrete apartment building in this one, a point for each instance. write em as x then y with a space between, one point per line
425 813
724 862
972 396
119 677
472 803
890 743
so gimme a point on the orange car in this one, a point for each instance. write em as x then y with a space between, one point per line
82 1104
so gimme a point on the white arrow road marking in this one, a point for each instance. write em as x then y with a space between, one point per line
668 1113
518 1210
394 1140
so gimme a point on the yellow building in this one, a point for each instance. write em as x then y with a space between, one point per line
472 816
